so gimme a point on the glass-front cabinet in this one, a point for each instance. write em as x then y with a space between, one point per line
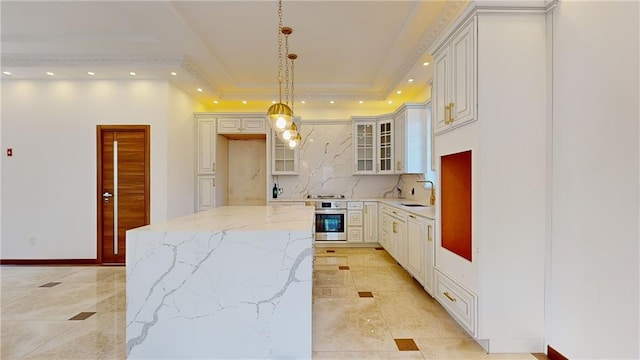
284 160
364 149
373 145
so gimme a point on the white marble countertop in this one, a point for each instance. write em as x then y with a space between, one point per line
428 211
240 218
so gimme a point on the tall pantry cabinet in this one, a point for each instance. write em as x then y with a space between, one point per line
490 94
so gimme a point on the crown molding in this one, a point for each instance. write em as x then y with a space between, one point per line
449 13
26 60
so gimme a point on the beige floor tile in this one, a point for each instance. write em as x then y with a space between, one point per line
340 292
375 258
367 355
28 276
17 338
331 260
462 348
101 336
333 278
349 325
382 278
414 314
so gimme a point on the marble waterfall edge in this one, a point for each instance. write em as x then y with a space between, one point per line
231 282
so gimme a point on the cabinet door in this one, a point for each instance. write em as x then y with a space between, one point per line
354 218
229 126
284 160
385 230
256 126
205 193
440 90
364 150
429 257
370 222
205 146
354 234
463 76
415 247
399 141
399 241
385 147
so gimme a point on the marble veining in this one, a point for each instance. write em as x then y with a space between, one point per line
228 282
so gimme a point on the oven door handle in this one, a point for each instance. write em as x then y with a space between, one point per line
331 211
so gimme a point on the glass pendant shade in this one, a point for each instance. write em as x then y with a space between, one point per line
280 116
290 133
295 141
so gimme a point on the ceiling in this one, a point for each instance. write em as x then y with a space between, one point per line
348 51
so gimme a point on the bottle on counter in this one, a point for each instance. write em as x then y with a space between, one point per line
275 191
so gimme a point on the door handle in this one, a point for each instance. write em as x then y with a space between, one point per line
106 196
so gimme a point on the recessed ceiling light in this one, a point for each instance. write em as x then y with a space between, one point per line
215 101
132 73
410 80
361 102
199 89
6 73
303 102
90 73
244 101
398 92
425 64
331 102
49 73
174 73
390 102
273 101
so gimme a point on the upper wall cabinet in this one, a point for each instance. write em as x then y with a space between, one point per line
242 125
284 160
373 145
454 89
205 145
410 129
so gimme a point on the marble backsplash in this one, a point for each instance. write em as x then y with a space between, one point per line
326 167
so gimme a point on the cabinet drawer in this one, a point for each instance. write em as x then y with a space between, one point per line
354 205
354 234
458 301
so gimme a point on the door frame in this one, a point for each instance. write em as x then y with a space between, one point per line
147 176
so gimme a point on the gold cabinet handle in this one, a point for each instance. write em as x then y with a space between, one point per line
446 114
429 236
446 293
213 182
451 105
213 167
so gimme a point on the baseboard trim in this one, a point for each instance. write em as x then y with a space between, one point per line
49 262
552 354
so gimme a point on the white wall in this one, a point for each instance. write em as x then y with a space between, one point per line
49 185
180 153
593 302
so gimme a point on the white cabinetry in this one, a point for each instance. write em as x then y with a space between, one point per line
284 160
454 88
410 139
373 145
415 247
429 259
394 223
493 282
205 155
205 146
370 222
237 125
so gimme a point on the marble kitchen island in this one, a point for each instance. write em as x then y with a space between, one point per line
231 282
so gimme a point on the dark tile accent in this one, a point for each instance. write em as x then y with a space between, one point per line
553 354
51 284
406 345
343 268
82 316
540 356
365 294
331 251
379 248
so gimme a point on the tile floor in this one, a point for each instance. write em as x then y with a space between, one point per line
365 307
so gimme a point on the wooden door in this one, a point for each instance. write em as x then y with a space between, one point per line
123 187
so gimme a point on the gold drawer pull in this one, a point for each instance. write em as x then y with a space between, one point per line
446 293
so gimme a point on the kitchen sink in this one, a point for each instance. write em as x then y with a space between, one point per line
412 204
